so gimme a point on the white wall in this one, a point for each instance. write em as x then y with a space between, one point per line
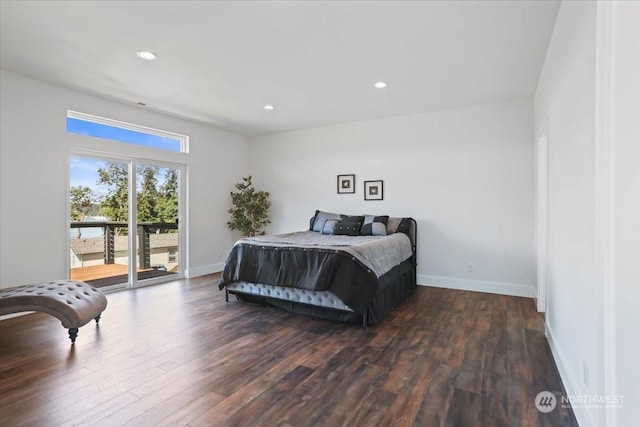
565 101
626 207
34 151
594 205
465 175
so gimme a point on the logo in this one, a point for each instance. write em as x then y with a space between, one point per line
615 401
546 402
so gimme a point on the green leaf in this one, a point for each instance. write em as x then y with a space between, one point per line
250 209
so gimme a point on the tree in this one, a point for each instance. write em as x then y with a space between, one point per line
115 202
82 200
154 203
148 194
167 205
250 210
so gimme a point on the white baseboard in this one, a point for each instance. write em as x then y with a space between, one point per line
204 270
582 415
477 286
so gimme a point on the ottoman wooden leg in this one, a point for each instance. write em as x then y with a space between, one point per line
73 333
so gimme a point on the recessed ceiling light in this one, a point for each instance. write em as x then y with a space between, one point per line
269 107
380 85
145 54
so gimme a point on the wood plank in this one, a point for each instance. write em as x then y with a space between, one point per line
177 354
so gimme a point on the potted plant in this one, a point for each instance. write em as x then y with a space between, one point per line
250 209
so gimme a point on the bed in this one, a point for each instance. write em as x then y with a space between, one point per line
344 268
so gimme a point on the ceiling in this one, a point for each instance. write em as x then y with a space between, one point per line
316 61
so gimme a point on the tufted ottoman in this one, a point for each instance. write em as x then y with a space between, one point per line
74 303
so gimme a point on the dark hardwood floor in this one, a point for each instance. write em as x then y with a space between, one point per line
176 354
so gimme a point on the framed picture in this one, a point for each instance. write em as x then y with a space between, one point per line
373 190
346 184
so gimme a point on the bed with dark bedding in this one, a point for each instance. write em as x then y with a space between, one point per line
345 268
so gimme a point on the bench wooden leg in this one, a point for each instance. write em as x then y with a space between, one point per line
73 333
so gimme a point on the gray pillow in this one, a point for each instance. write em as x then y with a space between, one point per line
375 225
321 218
329 226
392 225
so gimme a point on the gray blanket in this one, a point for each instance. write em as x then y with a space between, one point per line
379 253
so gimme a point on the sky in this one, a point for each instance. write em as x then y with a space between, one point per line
99 130
84 171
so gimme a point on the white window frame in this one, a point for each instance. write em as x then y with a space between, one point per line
184 139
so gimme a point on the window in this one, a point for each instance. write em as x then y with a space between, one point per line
124 208
98 127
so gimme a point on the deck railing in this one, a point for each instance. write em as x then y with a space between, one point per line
109 233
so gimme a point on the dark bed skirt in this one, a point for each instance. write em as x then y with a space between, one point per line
400 283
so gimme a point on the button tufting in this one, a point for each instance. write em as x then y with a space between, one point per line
57 298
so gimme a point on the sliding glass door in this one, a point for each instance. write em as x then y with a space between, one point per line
124 227
157 233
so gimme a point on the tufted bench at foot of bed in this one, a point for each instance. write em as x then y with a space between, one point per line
74 303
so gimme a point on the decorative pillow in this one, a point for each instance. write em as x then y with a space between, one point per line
329 226
392 224
346 228
321 218
374 225
353 219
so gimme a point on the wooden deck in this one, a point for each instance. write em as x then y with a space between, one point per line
85 274
111 274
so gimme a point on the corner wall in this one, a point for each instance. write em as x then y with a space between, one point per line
34 151
565 102
588 97
466 176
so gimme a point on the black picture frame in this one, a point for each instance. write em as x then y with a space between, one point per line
346 184
374 190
